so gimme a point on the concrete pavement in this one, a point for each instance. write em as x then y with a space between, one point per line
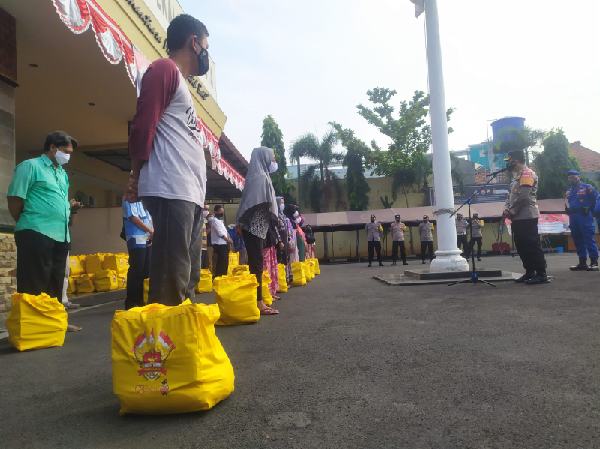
349 363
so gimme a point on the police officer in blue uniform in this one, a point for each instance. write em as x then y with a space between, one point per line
580 204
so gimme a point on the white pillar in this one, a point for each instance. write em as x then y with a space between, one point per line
448 256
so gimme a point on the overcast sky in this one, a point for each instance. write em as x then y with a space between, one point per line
312 61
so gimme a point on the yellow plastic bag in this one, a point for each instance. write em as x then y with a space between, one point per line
106 280
72 288
266 292
282 278
146 290
308 271
75 266
240 269
168 359
85 283
236 297
299 277
234 259
316 267
115 262
36 321
93 263
205 284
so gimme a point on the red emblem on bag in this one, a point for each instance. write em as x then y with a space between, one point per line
151 353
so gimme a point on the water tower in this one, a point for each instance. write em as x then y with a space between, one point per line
505 129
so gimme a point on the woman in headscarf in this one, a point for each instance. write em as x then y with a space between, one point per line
257 211
291 212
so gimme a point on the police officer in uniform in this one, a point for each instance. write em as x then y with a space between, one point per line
476 226
398 229
374 231
461 234
521 207
580 202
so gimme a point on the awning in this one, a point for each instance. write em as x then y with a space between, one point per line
349 220
80 15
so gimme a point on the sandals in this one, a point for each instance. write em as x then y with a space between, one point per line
269 311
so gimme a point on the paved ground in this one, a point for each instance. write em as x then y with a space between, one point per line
349 363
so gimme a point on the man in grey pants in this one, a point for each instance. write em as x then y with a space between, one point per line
168 163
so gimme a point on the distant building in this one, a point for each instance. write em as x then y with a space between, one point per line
588 160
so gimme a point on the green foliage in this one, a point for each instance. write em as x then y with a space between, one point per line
405 159
357 187
272 137
386 202
318 189
552 165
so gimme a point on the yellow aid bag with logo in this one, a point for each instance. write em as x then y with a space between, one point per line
106 280
299 278
168 359
316 267
266 291
205 284
234 259
236 297
282 278
36 321
72 288
116 262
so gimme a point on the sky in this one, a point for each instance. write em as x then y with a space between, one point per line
311 62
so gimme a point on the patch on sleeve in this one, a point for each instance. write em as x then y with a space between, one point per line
527 178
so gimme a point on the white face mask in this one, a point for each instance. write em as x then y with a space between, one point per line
296 214
299 220
281 207
273 167
204 213
61 157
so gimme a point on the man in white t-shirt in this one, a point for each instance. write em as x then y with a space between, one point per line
220 241
168 164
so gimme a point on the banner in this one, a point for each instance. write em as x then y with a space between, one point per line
548 224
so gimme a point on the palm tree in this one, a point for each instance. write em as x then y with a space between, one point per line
317 184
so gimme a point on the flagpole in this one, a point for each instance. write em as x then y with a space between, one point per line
448 256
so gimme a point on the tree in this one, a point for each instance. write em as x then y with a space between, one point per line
318 187
518 139
357 187
552 165
272 137
405 159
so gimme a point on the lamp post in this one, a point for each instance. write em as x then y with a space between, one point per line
448 256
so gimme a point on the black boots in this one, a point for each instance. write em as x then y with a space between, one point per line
582 266
593 265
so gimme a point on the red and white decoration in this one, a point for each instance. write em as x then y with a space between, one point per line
80 15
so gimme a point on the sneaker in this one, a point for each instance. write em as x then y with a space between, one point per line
369 265
404 263
479 259
423 262
525 278
538 279
71 306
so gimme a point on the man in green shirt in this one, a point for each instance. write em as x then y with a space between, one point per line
38 202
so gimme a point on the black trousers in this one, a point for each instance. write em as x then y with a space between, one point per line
41 264
204 259
254 248
462 243
220 260
395 246
527 241
139 269
426 250
472 245
177 247
377 247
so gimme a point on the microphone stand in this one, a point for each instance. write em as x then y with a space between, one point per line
474 275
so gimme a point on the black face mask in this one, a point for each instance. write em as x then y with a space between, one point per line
372 220
219 216
203 62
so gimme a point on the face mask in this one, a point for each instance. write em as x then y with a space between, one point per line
204 213
219 216
281 207
573 182
299 220
273 166
62 158
397 220
203 62
296 214
372 220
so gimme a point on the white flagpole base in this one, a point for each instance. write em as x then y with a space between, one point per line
448 261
